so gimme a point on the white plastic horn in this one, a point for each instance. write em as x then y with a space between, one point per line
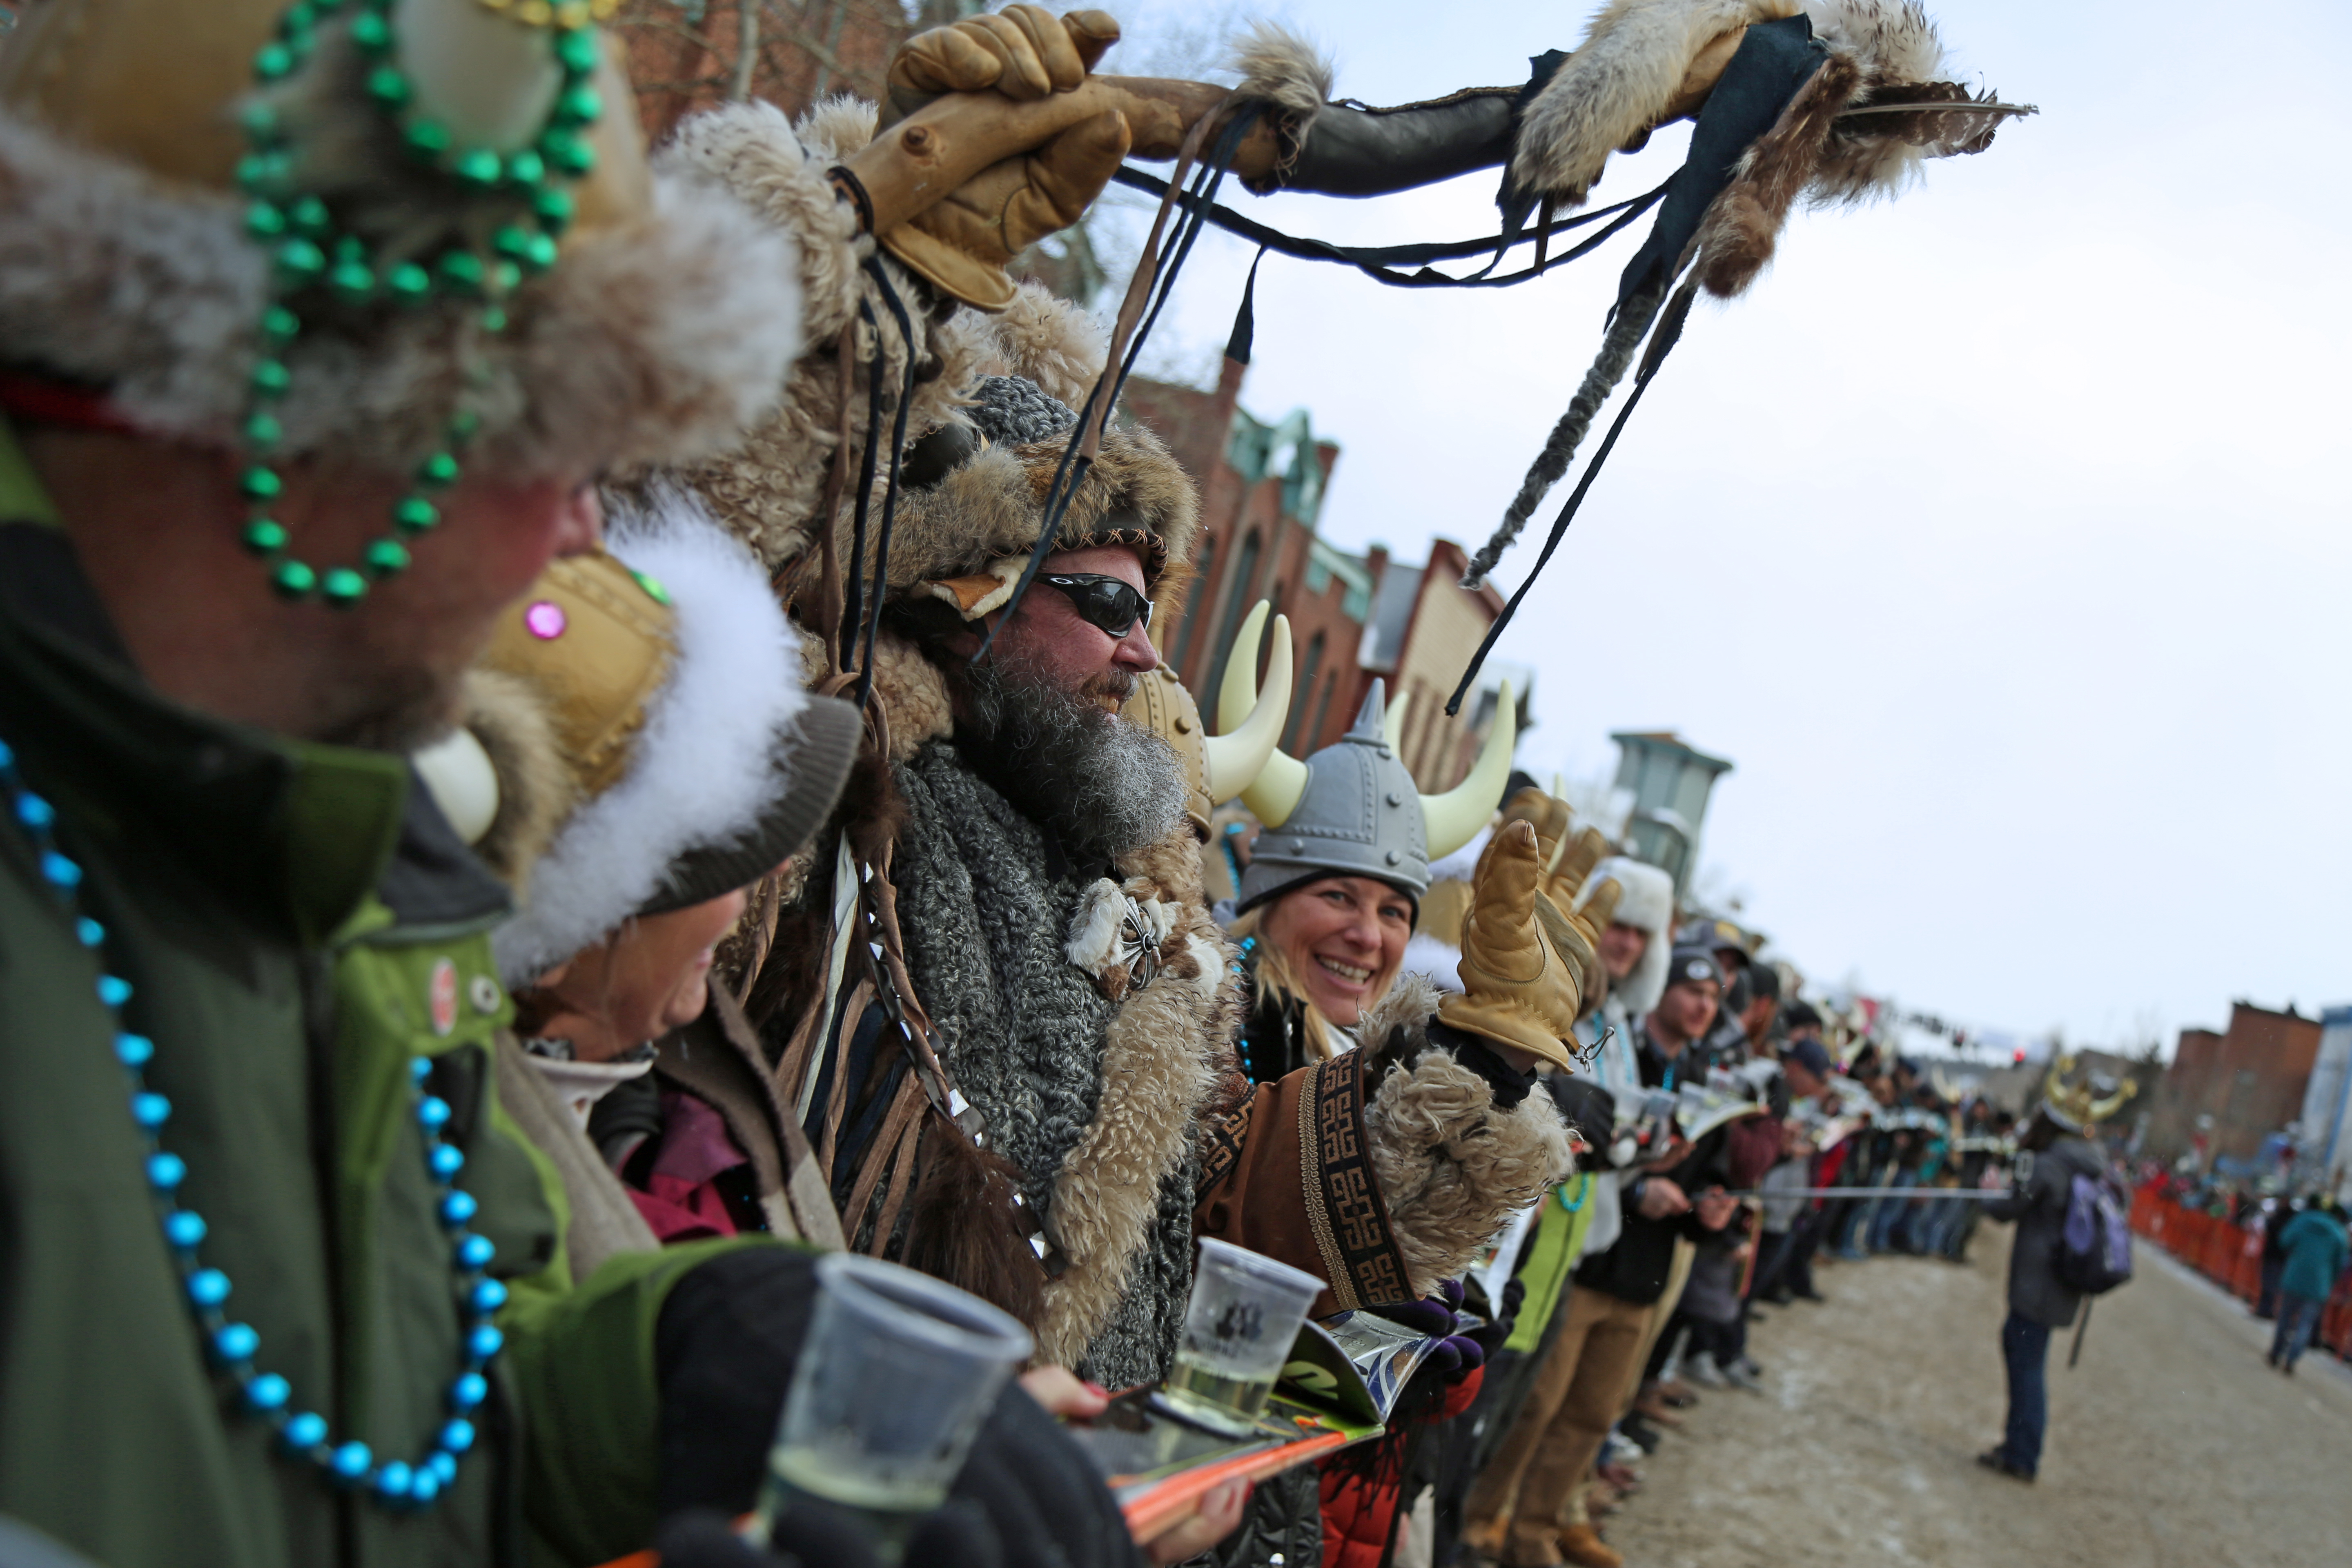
1233 759
463 781
489 78
1273 795
1392 721
1453 820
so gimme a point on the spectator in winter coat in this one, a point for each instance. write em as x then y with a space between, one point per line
1528 1507
2316 1251
2053 1151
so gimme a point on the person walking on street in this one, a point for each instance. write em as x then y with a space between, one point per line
2317 1251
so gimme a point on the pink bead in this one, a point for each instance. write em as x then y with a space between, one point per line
545 620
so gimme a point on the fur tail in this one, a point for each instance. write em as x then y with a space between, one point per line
967 1228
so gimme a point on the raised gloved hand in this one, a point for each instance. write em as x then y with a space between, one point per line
1021 51
1002 148
1521 986
1568 857
962 244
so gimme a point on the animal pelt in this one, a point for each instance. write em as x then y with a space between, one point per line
1044 338
700 768
1888 40
1618 85
1159 1071
1452 1168
1902 61
911 690
1741 226
963 1224
769 487
537 788
769 490
991 507
658 338
1285 71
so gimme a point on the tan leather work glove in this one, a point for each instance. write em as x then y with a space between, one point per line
1519 981
962 244
1568 857
1043 176
1021 51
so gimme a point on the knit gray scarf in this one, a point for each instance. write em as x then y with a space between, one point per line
1021 1027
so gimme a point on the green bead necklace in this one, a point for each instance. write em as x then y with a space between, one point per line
310 252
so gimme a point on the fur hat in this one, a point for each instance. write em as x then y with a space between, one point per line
965 537
667 675
1645 899
127 261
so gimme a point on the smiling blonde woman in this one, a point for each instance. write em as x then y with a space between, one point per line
1334 884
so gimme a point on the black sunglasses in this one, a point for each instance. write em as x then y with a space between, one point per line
1104 602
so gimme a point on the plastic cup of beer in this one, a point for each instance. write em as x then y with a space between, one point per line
1238 1327
896 1377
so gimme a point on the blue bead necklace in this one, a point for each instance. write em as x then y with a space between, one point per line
230 1346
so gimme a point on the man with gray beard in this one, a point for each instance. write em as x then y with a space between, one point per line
1059 957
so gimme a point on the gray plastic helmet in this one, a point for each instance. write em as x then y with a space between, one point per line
1352 809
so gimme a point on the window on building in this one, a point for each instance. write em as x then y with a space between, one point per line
1202 607
1237 603
1305 689
1322 707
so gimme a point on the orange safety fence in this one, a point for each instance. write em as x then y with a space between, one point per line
2231 1256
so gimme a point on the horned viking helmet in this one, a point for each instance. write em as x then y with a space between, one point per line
1216 767
1352 809
2080 1107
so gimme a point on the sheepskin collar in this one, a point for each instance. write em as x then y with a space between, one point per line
1451 1166
1092 1073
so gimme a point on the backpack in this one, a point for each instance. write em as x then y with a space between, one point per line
2094 1248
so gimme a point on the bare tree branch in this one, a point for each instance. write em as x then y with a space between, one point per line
747 48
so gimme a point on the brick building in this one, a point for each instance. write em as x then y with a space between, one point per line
2249 1078
686 55
1353 617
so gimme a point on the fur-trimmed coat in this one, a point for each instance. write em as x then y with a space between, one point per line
1114 1109
1381 1172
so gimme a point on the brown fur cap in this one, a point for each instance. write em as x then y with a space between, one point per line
991 508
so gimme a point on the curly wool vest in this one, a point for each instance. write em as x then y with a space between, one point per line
1022 1028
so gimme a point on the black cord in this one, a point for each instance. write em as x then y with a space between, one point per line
1668 332
1071 472
1377 262
854 607
890 484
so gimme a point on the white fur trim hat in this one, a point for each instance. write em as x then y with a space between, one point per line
671 679
1646 899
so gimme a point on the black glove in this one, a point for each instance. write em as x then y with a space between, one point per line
1433 1316
1508 1084
1587 1107
1489 1336
812 1534
728 1336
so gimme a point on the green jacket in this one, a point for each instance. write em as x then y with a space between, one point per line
283 959
1559 1243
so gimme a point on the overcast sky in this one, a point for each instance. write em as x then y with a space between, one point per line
1999 534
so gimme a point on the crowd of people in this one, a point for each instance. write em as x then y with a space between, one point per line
1721 1132
579 728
